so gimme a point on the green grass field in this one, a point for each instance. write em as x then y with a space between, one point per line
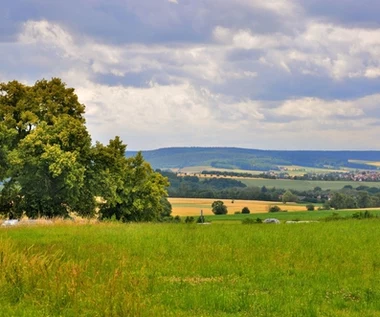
305 185
318 269
317 215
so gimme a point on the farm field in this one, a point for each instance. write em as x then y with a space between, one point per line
199 169
304 185
371 163
319 269
193 206
317 215
291 169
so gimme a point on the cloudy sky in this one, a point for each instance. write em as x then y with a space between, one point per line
273 74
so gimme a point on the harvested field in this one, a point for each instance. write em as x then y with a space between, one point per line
193 206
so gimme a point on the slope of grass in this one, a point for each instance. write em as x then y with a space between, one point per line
305 185
321 269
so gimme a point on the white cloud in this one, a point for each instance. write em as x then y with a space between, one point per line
321 48
372 72
203 93
319 109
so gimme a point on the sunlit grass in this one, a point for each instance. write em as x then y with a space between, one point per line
318 269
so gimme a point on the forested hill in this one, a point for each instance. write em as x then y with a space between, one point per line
251 159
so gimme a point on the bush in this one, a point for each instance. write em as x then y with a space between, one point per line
334 217
219 208
201 219
362 215
189 219
250 221
176 219
245 210
237 212
274 209
310 207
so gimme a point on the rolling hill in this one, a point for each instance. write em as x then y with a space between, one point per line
259 160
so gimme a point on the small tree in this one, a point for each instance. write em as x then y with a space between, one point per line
288 196
218 208
310 207
245 210
274 209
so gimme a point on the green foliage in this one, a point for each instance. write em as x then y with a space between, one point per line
245 210
274 209
189 219
250 221
288 196
219 208
51 169
363 215
137 191
310 207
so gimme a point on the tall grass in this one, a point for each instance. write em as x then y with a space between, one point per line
319 269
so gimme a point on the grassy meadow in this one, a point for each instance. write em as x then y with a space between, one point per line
318 269
304 185
193 206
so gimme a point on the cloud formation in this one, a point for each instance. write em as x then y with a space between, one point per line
277 74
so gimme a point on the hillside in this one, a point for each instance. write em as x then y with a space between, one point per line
260 160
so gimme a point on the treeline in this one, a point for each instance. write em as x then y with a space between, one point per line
49 167
225 188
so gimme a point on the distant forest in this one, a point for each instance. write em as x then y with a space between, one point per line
258 160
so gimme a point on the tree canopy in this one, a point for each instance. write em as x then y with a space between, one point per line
49 166
219 208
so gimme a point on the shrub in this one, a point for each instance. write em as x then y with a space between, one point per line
219 208
334 217
250 221
201 219
237 212
274 209
362 215
189 219
310 207
245 210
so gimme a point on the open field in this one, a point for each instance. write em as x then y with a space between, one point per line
193 206
291 169
319 269
296 170
372 163
317 215
304 185
199 169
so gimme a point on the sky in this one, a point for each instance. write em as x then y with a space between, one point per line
274 74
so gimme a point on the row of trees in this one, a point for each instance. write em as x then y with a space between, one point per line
49 167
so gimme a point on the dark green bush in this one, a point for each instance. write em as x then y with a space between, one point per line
189 219
250 221
245 210
274 209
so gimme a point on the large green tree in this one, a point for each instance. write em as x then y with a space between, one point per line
49 167
135 192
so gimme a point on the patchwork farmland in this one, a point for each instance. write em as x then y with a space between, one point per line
193 206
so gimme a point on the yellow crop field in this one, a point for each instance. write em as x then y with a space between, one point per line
193 206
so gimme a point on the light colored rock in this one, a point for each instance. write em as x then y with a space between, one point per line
271 220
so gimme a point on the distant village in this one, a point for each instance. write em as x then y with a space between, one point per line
356 176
